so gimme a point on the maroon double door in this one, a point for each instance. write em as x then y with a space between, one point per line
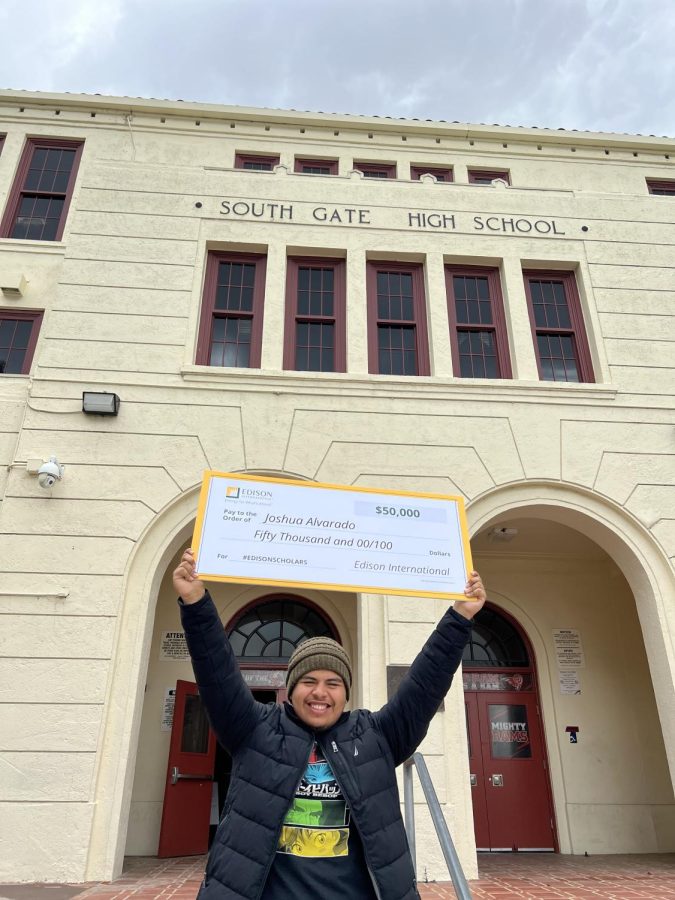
510 785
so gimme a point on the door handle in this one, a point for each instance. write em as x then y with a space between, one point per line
473 779
177 776
496 780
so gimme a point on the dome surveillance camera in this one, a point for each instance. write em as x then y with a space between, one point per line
49 473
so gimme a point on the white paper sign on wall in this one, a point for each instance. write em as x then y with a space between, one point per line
168 706
568 649
569 681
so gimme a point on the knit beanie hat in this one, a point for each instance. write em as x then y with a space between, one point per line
318 653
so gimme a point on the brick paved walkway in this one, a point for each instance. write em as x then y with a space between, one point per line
518 876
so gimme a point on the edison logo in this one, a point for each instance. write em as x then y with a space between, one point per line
232 492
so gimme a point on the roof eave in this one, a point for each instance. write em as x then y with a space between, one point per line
289 117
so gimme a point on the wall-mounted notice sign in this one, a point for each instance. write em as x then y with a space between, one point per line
173 646
569 681
253 530
568 649
168 706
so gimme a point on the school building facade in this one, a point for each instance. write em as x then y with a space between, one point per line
479 311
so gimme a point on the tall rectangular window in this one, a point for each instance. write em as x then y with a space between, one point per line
314 339
19 330
316 166
376 170
255 163
397 328
38 202
230 332
558 327
439 174
478 338
482 176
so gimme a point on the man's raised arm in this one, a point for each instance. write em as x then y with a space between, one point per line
228 701
404 720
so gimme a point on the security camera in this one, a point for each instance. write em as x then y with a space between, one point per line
49 473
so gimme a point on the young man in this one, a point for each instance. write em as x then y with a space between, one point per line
313 808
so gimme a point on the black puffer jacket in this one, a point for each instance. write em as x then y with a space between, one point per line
270 748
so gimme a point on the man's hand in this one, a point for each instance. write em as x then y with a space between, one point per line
186 584
476 592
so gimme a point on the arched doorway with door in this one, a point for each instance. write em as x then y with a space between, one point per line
510 789
182 775
586 588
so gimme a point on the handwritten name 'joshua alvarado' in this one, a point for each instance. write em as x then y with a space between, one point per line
311 522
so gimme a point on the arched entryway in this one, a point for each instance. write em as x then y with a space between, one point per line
563 562
510 790
165 664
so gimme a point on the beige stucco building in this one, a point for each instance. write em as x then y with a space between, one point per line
544 398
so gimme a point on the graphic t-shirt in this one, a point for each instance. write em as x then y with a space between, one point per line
319 852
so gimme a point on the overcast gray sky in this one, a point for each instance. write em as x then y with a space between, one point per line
603 65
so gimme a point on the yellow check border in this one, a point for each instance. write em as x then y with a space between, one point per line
323 585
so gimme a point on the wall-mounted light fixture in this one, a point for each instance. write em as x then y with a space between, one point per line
13 285
100 403
502 533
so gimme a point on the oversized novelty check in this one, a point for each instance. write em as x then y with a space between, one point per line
256 530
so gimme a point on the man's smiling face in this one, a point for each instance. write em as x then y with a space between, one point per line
319 698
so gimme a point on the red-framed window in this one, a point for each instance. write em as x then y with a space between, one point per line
483 176
19 329
558 330
315 339
255 163
478 338
230 332
665 188
38 202
376 170
316 166
440 174
397 326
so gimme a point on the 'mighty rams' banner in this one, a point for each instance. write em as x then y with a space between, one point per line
509 731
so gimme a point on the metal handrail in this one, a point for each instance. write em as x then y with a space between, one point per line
459 881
